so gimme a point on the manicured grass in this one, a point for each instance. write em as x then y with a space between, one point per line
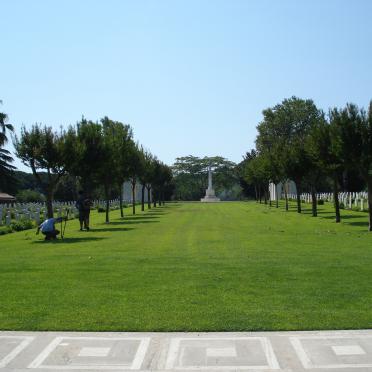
192 267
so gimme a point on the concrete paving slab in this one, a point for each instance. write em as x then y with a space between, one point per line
11 346
324 351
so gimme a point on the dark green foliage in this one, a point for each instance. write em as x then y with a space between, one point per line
5 128
65 191
88 153
257 173
248 188
162 182
67 188
283 139
30 196
356 134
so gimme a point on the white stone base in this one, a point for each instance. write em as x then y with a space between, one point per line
210 196
210 199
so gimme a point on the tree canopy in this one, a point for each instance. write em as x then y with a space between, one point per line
190 176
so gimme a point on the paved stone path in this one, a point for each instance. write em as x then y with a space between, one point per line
244 351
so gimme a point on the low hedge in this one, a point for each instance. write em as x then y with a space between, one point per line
20 225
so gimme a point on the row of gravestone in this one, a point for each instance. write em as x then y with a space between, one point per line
350 200
37 212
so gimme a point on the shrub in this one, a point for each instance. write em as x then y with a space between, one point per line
101 210
342 205
21 225
320 202
5 230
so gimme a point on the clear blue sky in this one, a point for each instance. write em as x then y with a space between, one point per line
191 77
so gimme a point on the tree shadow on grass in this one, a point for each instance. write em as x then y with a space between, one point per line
112 229
136 218
307 211
157 212
359 223
131 222
343 216
325 212
346 219
68 240
350 216
172 205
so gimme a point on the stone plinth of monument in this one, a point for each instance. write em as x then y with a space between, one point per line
210 196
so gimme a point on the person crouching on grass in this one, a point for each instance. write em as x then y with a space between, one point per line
48 228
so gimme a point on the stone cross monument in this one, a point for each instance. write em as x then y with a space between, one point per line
210 195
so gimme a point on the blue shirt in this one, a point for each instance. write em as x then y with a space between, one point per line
48 225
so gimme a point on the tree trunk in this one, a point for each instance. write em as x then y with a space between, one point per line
369 185
143 198
133 198
256 192
265 195
298 195
314 202
48 190
276 197
107 210
107 195
286 197
335 198
259 194
49 204
268 195
148 198
121 203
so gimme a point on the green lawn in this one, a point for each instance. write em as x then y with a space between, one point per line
192 267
